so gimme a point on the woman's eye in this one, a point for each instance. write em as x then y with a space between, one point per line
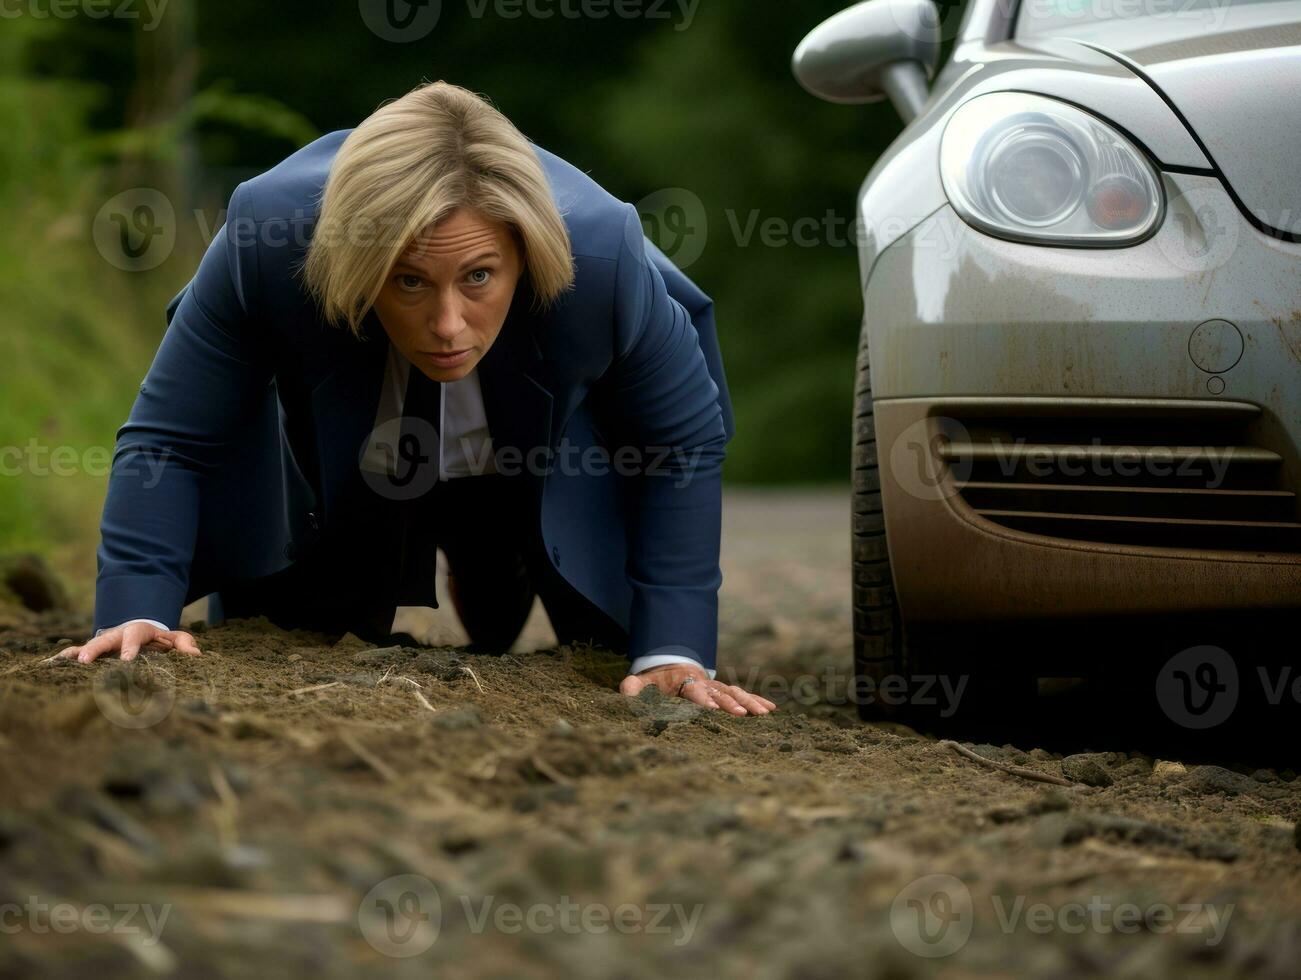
480 277
410 282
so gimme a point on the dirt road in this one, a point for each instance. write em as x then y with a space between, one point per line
284 807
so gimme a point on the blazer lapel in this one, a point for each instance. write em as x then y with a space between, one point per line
343 407
518 405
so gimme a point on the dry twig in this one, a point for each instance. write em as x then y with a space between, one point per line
424 700
474 677
550 771
1031 774
227 815
314 687
368 757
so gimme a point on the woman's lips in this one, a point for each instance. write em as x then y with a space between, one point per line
448 360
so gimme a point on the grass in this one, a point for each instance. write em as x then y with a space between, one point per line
76 334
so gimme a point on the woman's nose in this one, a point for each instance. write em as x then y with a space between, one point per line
446 323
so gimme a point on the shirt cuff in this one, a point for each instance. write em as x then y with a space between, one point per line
661 660
151 622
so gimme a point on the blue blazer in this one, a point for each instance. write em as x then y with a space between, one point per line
245 438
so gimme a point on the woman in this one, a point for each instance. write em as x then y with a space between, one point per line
429 333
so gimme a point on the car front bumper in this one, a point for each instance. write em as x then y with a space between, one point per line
1068 433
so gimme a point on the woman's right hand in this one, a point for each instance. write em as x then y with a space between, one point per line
127 641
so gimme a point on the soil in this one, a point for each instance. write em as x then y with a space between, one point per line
291 805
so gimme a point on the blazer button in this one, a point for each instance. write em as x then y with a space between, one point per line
555 556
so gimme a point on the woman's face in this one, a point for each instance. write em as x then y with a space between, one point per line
447 296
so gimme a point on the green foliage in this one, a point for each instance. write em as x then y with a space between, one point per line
254 114
69 354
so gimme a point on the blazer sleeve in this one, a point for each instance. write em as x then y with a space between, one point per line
667 405
204 382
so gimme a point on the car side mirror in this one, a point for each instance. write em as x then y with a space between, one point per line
872 51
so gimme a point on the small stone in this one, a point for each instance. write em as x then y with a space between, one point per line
1134 831
785 747
657 727
380 655
1169 770
1060 830
1005 814
293 658
1132 767
561 729
1087 768
460 719
1214 779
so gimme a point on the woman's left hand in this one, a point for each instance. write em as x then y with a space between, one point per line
691 683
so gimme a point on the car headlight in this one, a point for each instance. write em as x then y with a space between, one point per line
1033 169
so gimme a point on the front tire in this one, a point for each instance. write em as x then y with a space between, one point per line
996 690
879 650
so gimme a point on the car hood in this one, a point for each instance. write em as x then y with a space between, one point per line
1240 92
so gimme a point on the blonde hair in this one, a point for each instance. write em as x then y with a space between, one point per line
407 166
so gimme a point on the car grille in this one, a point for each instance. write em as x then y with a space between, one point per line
1189 475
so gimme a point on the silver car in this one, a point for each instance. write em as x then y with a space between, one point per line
1078 411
